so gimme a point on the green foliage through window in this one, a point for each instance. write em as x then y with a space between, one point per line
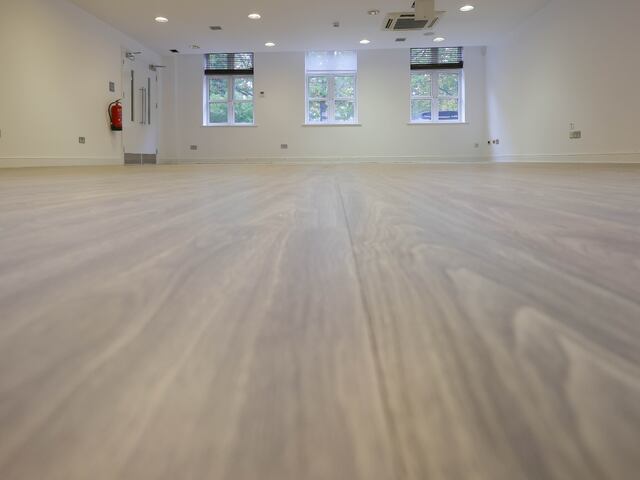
243 112
345 111
218 113
420 84
318 87
448 84
218 89
231 100
345 87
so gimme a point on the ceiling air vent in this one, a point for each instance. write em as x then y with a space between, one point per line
402 22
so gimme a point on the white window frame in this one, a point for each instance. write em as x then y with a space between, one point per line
231 101
435 97
331 98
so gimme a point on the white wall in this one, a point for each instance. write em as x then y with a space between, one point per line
575 61
55 65
383 82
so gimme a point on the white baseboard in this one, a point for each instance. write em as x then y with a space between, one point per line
314 160
57 161
569 158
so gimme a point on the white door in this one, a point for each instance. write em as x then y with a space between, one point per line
140 107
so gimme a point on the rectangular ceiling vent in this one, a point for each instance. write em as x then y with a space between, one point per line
406 21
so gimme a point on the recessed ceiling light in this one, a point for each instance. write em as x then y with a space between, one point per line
269 44
438 39
255 16
162 19
374 12
364 41
467 8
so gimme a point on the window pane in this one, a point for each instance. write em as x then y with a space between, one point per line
318 112
448 109
448 84
318 87
218 113
346 87
345 111
218 89
420 110
243 88
243 112
420 84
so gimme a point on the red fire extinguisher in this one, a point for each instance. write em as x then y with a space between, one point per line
115 116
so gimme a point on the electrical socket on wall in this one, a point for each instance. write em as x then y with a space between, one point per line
194 147
575 135
284 146
82 140
112 87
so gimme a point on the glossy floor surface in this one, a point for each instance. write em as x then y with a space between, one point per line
320 323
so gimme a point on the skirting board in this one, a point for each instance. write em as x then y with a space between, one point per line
323 160
569 158
58 161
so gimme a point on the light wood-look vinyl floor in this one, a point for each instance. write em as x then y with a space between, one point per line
400 322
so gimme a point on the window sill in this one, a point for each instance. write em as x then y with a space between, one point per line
231 125
438 123
331 124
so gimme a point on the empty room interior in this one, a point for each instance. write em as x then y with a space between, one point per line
319 240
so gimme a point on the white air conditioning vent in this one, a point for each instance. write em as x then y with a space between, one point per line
406 21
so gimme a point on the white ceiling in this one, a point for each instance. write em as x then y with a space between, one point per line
297 25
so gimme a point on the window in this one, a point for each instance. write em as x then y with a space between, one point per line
331 88
437 83
229 89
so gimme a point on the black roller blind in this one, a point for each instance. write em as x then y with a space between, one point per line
229 64
436 58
